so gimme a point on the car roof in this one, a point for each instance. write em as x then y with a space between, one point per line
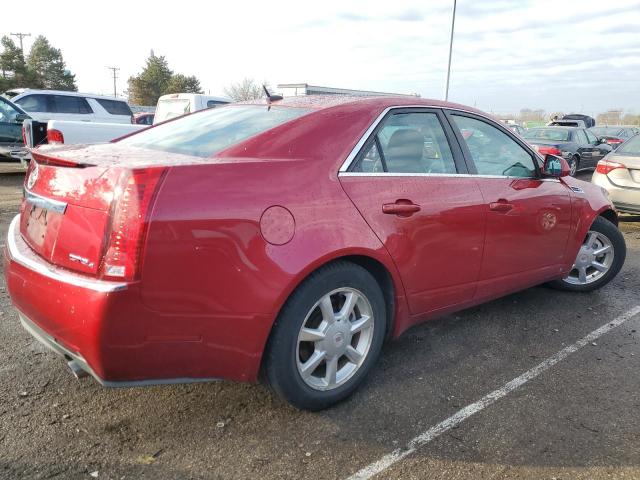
556 127
29 91
320 102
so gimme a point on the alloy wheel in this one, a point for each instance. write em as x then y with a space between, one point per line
593 261
334 339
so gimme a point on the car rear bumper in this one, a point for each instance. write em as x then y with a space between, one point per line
105 329
626 200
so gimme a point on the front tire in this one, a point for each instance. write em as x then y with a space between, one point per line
574 164
599 259
327 337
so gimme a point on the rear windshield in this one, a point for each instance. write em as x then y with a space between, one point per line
547 134
630 147
208 132
115 107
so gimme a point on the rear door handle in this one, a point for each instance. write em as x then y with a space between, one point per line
402 208
501 206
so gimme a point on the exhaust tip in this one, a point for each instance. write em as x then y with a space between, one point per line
76 369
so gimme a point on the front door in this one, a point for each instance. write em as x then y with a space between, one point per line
528 217
406 184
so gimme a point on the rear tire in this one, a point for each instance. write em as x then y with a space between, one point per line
599 260
327 337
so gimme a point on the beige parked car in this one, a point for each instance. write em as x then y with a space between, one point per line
619 174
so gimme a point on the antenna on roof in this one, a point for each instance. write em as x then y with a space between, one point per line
270 98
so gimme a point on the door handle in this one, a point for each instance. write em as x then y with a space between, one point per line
501 206
402 208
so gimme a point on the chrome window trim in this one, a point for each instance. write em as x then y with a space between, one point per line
358 146
50 271
443 175
44 202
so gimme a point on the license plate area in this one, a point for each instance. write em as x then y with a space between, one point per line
36 224
40 227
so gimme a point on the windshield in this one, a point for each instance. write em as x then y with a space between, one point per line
205 133
172 108
547 134
601 131
631 147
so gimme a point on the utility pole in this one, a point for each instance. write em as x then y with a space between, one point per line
453 22
20 36
114 70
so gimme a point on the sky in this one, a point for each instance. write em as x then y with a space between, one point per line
558 55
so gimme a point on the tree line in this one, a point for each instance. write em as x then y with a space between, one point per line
43 67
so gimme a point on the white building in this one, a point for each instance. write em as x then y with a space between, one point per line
297 89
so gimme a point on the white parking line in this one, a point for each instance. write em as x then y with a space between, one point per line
391 458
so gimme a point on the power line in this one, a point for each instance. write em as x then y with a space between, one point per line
20 35
115 76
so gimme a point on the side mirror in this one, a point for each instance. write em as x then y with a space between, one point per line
601 141
21 117
555 167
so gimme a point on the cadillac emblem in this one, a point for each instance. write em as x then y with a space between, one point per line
33 176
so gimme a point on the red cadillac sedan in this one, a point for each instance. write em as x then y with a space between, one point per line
287 240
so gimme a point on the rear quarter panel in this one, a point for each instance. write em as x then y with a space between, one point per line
208 270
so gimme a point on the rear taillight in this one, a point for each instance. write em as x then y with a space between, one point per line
24 136
549 151
605 166
614 141
54 136
129 221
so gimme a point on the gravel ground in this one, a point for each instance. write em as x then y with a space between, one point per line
580 419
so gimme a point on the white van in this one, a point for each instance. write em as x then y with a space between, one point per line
176 104
45 105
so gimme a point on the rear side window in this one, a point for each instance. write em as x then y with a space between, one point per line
207 132
69 104
115 107
493 151
407 143
34 103
215 103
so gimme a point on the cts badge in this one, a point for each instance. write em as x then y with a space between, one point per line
33 176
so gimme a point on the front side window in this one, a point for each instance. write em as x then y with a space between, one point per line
69 104
407 143
207 132
34 103
8 114
581 138
593 140
493 151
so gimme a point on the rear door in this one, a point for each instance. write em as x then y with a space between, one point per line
409 182
588 154
528 217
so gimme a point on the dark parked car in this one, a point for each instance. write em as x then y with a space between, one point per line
614 136
11 118
143 118
578 146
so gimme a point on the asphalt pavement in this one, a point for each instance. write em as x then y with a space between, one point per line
578 418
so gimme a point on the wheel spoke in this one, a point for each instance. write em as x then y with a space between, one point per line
311 335
582 274
332 370
599 266
349 304
600 251
591 239
353 355
328 315
360 324
308 367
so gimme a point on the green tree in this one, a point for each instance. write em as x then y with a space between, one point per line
151 83
13 66
48 68
182 84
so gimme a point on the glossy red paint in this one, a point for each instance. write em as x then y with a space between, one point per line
229 239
